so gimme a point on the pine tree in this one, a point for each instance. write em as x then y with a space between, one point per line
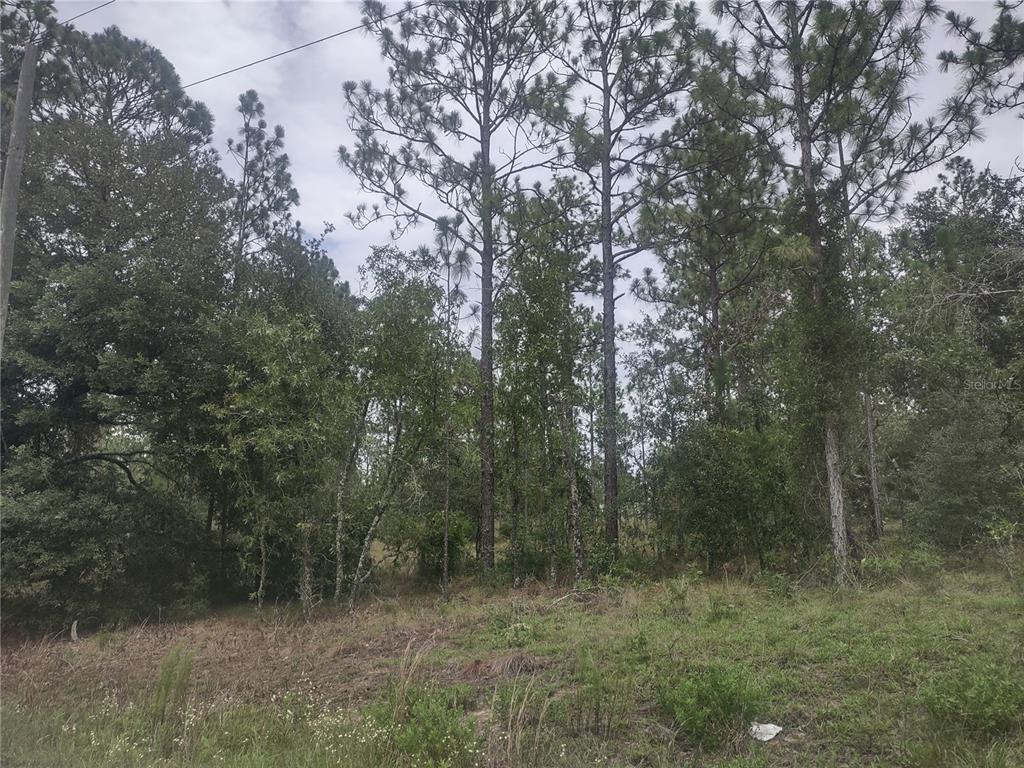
455 121
837 78
631 60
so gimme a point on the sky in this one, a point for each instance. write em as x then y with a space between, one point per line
303 92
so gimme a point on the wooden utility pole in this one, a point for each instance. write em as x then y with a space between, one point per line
16 147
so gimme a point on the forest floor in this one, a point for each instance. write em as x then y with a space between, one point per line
926 672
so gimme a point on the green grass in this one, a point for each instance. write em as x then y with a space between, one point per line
925 671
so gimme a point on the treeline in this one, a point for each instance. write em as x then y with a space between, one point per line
196 409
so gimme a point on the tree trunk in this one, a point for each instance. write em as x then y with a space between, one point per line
446 512
343 491
485 533
714 354
306 573
575 531
360 574
822 281
223 545
517 505
876 494
261 588
837 515
611 453
209 515
16 149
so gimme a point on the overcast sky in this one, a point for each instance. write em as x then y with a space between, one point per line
302 91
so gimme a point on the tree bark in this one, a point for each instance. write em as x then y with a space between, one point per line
516 503
876 494
361 572
360 576
306 573
714 354
611 453
343 491
575 530
264 558
485 532
822 281
16 150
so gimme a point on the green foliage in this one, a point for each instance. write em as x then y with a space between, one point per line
79 545
600 697
981 700
899 559
169 696
712 703
511 625
420 726
732 487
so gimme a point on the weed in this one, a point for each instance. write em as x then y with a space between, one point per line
899 561
676 599
598 700
518 735
979 700
709 703
167 701
509 626
720 608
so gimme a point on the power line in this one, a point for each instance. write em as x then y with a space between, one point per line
86 13
68 21
298 47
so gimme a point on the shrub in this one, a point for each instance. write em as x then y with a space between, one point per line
509 626
710 703
675 601
421 726
980 700
900 561
599 698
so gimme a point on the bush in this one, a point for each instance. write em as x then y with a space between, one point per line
981 700
733 492
421 726
509 625
900 561
708 704
599 699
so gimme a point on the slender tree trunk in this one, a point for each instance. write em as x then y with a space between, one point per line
210 505
868 400
261 588
575 530
485 533
306 573
517 505
343 491
223 545
876 494
822 282
16 149
714 363
446 511
361 573
611 452
445 575
591 476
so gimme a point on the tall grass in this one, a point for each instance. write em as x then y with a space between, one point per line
169 696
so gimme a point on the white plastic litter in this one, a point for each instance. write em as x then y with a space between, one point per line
765 731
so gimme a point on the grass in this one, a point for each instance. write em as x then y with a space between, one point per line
916 672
